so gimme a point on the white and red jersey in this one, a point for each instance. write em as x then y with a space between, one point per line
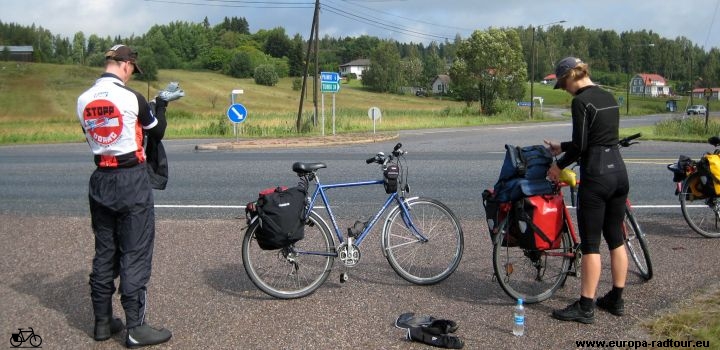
113 117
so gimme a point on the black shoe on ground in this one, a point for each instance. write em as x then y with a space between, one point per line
106 327
574 313
145 335
615 307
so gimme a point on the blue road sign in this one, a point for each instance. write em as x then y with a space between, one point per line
326 86
524 104
237 113
329 76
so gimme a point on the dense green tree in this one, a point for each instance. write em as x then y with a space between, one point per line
277 43
296 57
78 48
384 74
493 65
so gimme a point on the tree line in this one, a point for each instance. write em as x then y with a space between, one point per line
509 56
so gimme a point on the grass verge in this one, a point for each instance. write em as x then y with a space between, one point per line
698 321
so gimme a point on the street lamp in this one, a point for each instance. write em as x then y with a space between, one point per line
627 70
532 64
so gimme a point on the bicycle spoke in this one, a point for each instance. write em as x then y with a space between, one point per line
428 260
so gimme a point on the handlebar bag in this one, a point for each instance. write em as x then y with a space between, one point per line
540 221
391 174
281 217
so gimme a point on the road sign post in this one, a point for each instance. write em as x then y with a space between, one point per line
329 82
233 96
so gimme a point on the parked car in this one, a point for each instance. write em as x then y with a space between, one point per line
696 109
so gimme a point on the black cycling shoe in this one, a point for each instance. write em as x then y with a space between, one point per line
615 307
106 327
145 335
574 312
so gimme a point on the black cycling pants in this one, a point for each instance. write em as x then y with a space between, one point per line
601 208
123 220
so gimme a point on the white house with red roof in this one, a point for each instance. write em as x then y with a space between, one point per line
649 84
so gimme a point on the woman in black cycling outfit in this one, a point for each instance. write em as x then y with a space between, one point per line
601 198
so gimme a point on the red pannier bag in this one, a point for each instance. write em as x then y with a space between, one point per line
540 221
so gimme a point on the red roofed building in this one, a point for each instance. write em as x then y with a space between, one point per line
700 93
649 84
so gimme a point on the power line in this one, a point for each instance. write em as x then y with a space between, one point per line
240 3
382 25
712 22
405 18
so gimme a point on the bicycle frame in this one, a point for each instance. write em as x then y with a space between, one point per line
320 191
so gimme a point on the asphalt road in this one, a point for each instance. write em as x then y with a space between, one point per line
200 291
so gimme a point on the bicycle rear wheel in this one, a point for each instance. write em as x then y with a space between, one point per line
702 214
295 271
417 261
636 244
531 275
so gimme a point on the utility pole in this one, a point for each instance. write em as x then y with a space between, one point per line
313 36
533 59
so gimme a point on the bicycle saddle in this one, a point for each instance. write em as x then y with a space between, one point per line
304 168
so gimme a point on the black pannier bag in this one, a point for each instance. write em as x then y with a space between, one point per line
391 174
281 217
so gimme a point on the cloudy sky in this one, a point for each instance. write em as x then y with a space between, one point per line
403 20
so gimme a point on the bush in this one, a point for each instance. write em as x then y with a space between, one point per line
297 84
265 75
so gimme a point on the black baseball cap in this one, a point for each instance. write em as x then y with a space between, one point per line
123 53
563 67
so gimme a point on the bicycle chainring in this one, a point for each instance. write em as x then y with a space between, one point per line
349 254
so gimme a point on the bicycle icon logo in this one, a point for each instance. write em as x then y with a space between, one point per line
22 336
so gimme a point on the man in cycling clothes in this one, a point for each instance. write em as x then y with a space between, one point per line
114 119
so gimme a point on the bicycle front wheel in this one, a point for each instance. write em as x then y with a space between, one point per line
637 246
35 340
291 272
529 274
702 214
418 260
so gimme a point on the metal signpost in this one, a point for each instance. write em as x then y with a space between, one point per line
237 113
374 114
329 82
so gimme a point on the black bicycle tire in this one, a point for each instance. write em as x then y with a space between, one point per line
33 337
499 269
13 342
683 197
402 270
248 240
645 272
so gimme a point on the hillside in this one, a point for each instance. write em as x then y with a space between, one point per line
45 95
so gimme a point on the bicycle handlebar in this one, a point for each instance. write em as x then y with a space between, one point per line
382 159
626 141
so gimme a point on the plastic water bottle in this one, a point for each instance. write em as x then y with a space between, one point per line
519 318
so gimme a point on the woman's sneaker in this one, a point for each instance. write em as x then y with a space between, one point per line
615 307
145 335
